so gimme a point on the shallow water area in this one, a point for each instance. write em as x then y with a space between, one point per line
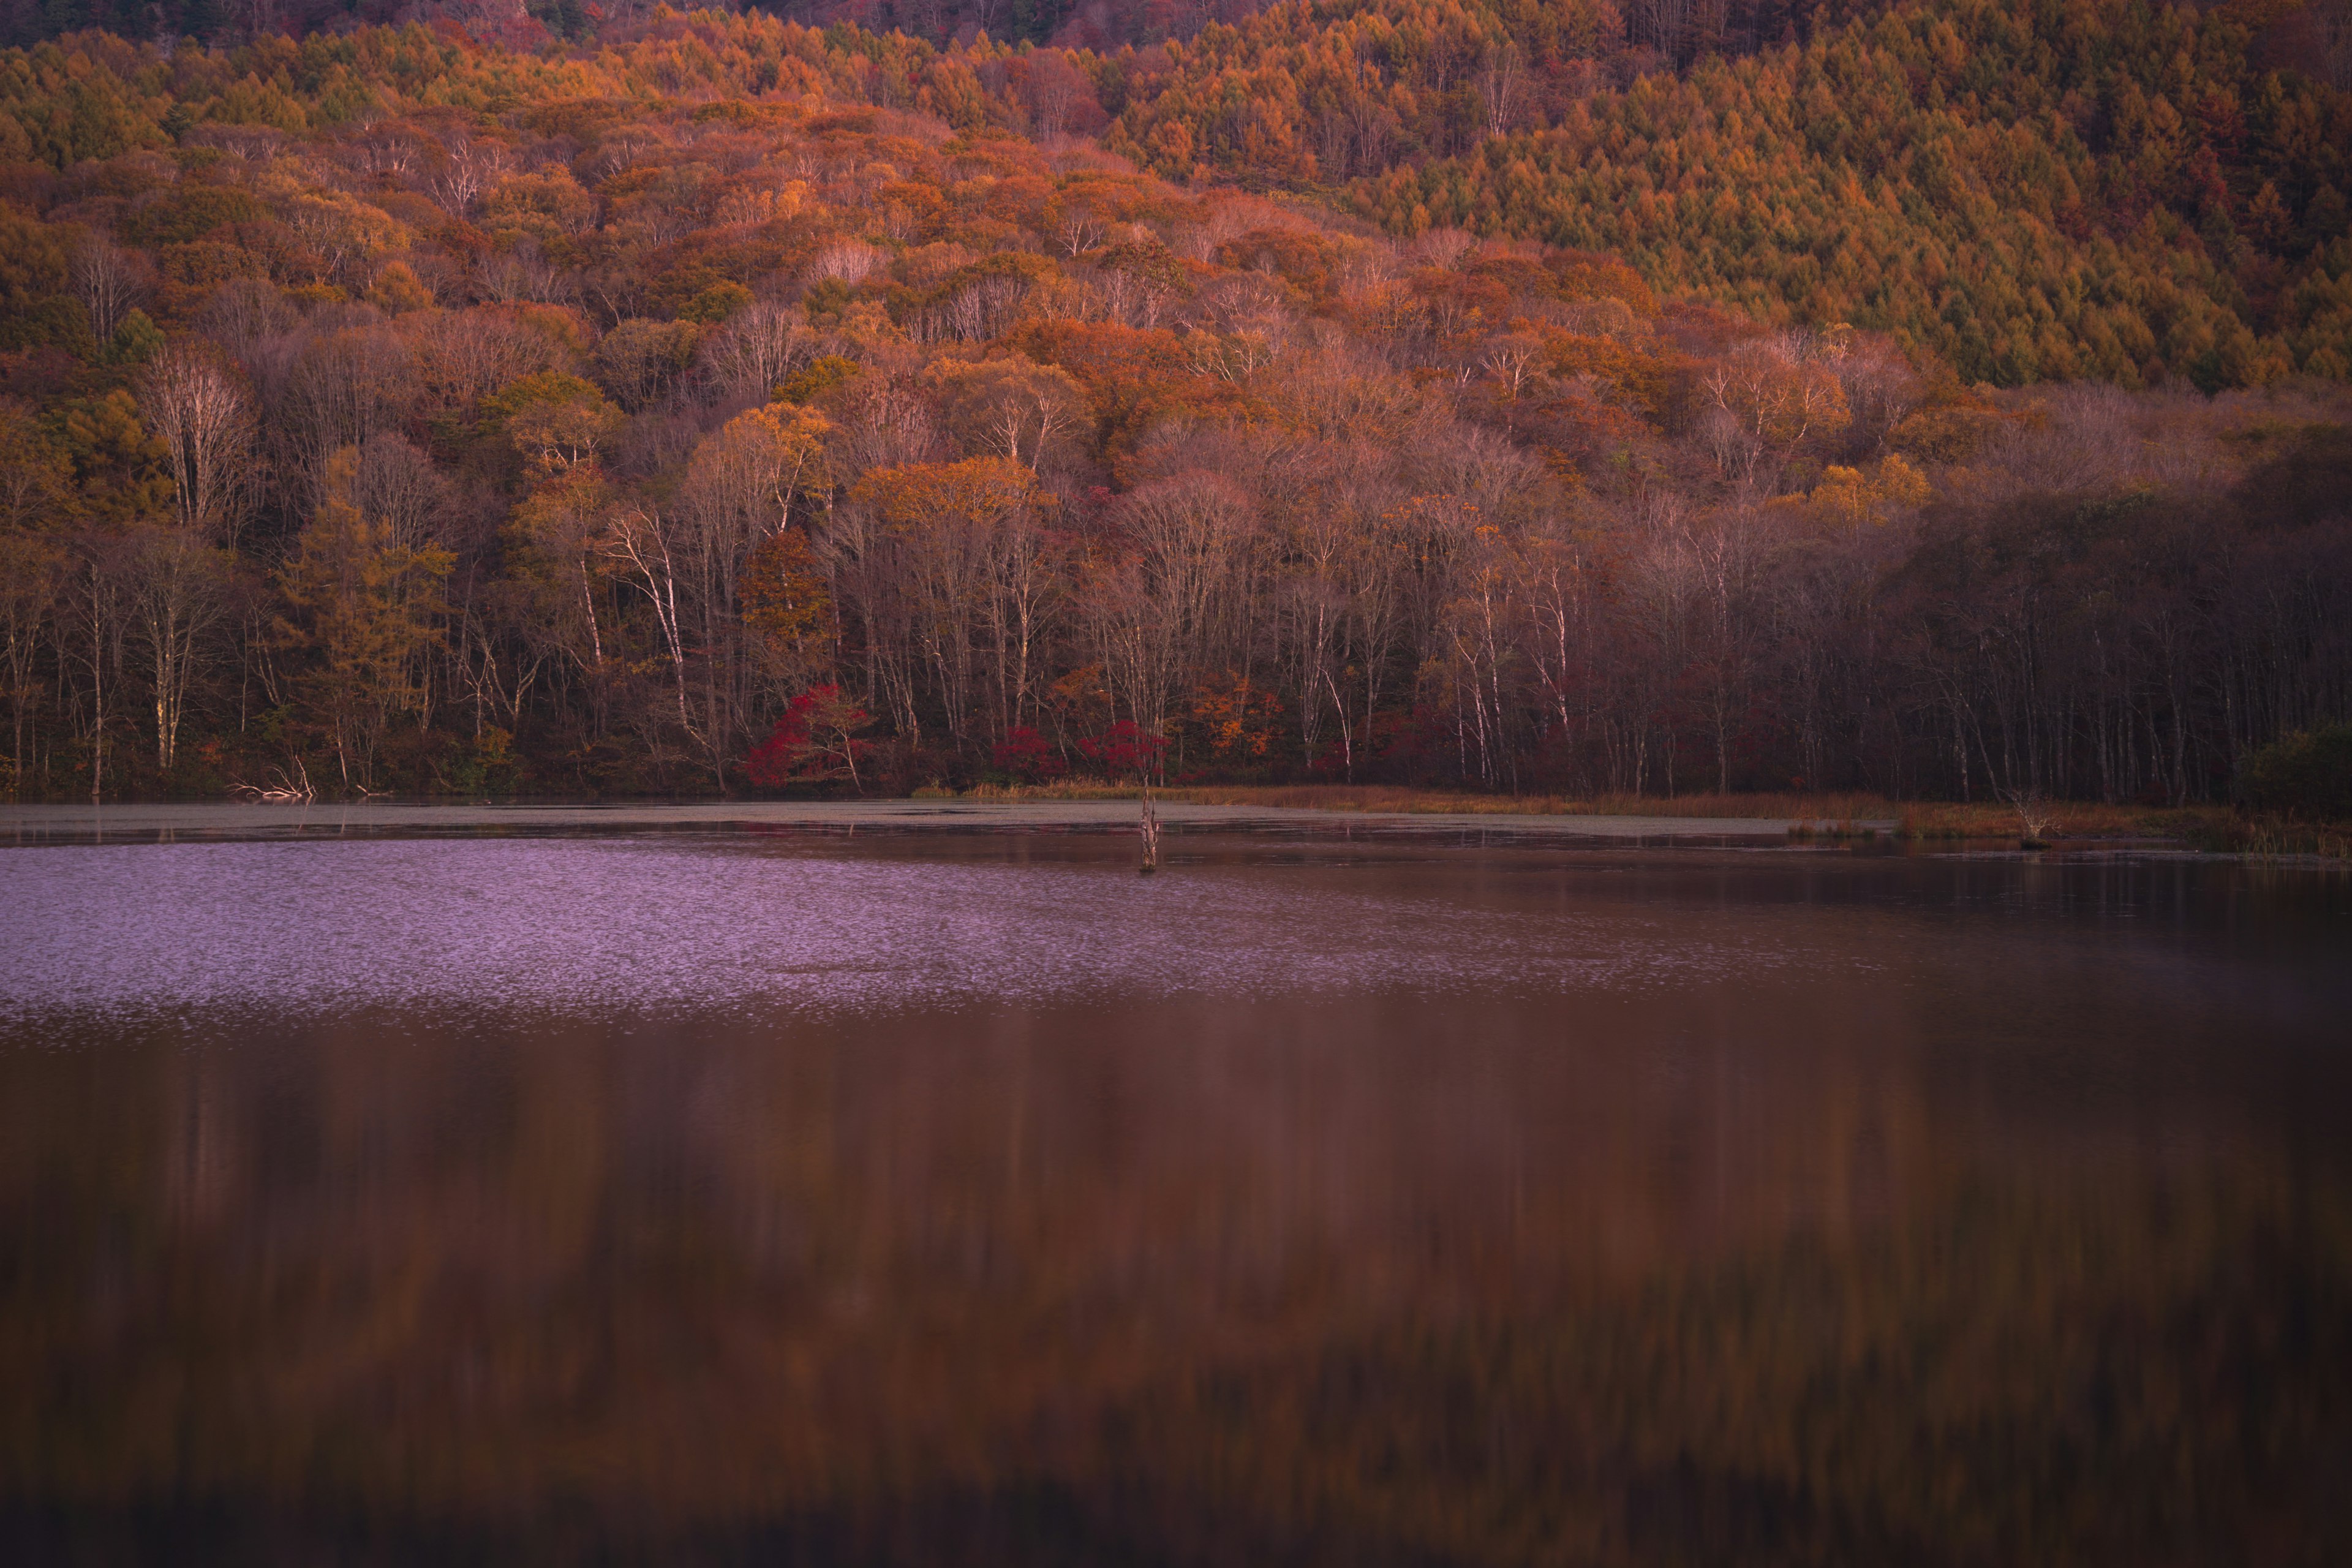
701 1191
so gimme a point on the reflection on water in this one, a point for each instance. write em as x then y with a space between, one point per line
973 1200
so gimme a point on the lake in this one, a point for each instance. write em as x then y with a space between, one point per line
705 1193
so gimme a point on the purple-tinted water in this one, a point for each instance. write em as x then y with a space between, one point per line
584 925
939 1198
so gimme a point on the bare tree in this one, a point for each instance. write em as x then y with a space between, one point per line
110 280
846 261
1079 230
177 588
196 408
1173 607
1771 396
740 487
1880 388
949 562
243 314
885 421
341 388
1012 408
638 543
1503 87
397 485
458 355
31 573
1664 25
91 625
759 347
521 273
1513 359
467 171
1055 91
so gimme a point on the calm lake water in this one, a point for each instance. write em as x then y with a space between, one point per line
931 1198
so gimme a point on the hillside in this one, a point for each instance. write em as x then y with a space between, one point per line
2026 190
733 404
2030 191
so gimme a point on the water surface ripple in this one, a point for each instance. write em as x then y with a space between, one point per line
583 923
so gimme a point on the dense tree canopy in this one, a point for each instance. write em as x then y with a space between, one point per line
2030 189
725 402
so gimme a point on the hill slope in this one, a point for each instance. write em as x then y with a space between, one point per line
2032 190
734 403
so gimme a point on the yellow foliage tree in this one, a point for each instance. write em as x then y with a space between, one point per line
364 608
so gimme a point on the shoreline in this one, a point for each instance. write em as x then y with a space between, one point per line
2080 832
240 819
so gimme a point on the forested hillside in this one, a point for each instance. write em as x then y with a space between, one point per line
2028 189
731 403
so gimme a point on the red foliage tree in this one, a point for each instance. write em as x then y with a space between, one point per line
1124 748
1028 756
815 741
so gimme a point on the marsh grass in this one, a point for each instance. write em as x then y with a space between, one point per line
1819 813
2271 838
1810 818
1072 788
2056 820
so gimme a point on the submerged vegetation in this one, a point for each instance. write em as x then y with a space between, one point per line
1921 402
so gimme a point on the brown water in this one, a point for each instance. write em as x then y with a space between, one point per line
970 1199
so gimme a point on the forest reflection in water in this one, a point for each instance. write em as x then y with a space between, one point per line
1309 1204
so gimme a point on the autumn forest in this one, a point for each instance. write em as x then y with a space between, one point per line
1944 400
